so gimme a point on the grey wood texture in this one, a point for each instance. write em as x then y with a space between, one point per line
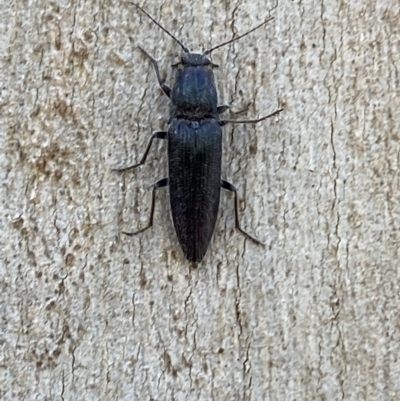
88 314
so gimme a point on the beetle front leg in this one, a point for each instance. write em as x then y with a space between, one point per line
227 185
159 184
165 88
158 135
223 108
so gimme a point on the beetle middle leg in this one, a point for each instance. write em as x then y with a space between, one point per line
276 112
230 187
158 135
158 184
166 89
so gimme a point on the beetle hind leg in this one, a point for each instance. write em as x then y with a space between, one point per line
230 187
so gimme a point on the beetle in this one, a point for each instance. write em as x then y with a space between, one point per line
194 149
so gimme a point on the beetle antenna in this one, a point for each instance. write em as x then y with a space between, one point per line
186 50
237 38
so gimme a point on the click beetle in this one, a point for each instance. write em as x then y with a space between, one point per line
194 149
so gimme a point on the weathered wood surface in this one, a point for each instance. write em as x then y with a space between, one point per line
90 315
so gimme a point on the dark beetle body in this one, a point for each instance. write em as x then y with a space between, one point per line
194 150
194 155
194 160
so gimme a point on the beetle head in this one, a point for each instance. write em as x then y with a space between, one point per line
195 60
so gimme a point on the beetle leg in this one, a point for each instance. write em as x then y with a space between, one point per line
230 187
158 135
223 122
158 184
223 108
164 87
